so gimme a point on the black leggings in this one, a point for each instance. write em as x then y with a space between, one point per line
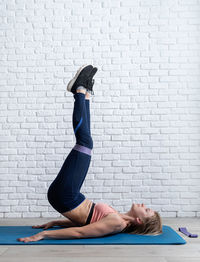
64 192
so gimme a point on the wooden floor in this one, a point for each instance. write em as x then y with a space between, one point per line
189 252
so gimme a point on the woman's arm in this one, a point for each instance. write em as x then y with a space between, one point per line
106 226
65 223
66 233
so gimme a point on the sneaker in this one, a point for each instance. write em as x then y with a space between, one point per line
80 79
91 81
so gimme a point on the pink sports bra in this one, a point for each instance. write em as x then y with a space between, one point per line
100 211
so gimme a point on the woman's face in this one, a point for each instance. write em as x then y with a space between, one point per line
140 210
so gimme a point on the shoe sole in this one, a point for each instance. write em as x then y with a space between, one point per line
71 82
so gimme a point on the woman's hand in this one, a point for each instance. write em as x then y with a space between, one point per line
45 226
33 238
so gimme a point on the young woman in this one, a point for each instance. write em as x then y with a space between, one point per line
84 218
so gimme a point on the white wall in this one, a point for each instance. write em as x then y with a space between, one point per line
145 113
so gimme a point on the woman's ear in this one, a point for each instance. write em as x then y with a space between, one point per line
138 221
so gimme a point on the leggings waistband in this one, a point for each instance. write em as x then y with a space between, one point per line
83 149
90 214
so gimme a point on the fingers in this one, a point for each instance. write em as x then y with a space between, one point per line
33 238
25 239
38 226
41 226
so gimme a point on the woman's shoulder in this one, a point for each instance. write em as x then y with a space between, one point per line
123 224
118 218
115 216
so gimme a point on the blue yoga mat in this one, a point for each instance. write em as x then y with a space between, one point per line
9 235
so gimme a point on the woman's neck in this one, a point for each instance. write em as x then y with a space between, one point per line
127 217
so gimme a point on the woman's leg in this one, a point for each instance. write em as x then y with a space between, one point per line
64 193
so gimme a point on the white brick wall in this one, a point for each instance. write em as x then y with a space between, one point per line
145 113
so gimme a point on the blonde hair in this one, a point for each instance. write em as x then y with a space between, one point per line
150 226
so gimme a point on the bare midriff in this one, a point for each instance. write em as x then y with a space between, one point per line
79 214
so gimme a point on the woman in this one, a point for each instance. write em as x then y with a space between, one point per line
84 218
